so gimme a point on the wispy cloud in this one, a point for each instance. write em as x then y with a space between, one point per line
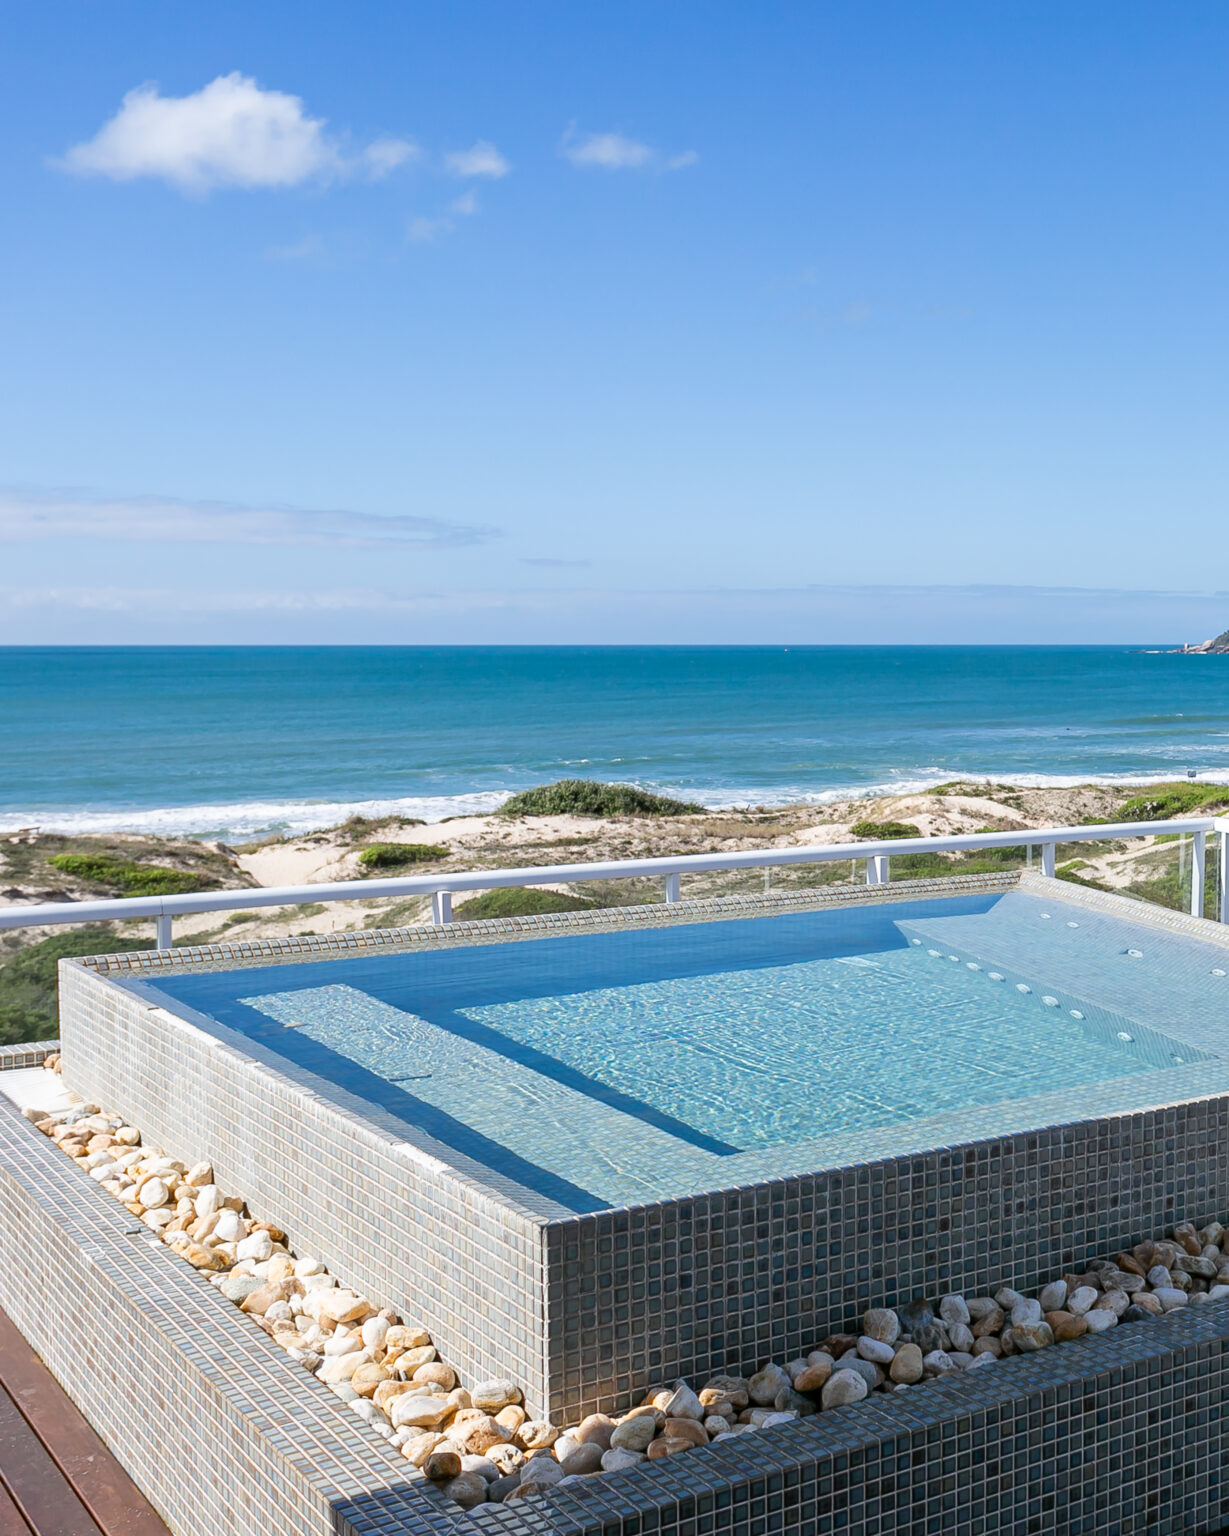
231 133
617 152
300 250
164 520
482 160
574 614
423 230
147 600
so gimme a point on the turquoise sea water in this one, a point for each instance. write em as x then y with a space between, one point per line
237 741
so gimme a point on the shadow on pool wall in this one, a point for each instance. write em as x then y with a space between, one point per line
589 1309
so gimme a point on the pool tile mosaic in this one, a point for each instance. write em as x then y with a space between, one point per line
584 1309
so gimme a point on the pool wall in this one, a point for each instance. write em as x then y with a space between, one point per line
586 1311
388 1219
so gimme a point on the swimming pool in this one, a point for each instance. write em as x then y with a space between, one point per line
598 1070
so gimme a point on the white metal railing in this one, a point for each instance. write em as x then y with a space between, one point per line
440 888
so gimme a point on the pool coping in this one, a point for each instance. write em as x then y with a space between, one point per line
240 953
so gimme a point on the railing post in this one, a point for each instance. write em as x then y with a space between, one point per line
1198 860
441 907
672 888
877 869
1222 871
162 932
1047 859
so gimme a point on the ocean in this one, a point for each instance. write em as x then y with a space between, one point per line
236 742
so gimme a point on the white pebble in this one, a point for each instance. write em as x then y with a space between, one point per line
258 1247
374 1331
230 1227
208 1201
1082 1300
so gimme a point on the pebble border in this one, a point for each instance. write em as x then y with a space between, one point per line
478 1445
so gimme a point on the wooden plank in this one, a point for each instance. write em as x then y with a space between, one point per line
11 1523
116 1504
34 1482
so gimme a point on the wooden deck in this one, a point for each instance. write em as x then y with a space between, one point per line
57 1478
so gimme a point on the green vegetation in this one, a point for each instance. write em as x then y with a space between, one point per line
885 829
1163 877
981 789
588 797
28 980
1161 801
398 855
114 874
985 861
522 901
363 826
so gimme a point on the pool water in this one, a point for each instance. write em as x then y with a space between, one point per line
602 1068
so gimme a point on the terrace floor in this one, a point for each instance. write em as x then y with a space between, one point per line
57 1478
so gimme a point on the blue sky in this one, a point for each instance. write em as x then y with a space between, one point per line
560 322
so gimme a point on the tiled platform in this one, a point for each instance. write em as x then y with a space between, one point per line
218 1428
1120 1435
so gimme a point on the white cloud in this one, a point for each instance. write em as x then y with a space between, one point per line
146 600
384 155
424 231
163 520
301 250
616 152
576 614
230 133
482 160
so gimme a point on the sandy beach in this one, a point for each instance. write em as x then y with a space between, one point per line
499 841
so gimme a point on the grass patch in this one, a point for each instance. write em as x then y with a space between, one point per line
110 873
588 797
400 914
1160 802
983 789
1071 873
984 861
398 855
884 829
28 980
1174 891
522 901
357 827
